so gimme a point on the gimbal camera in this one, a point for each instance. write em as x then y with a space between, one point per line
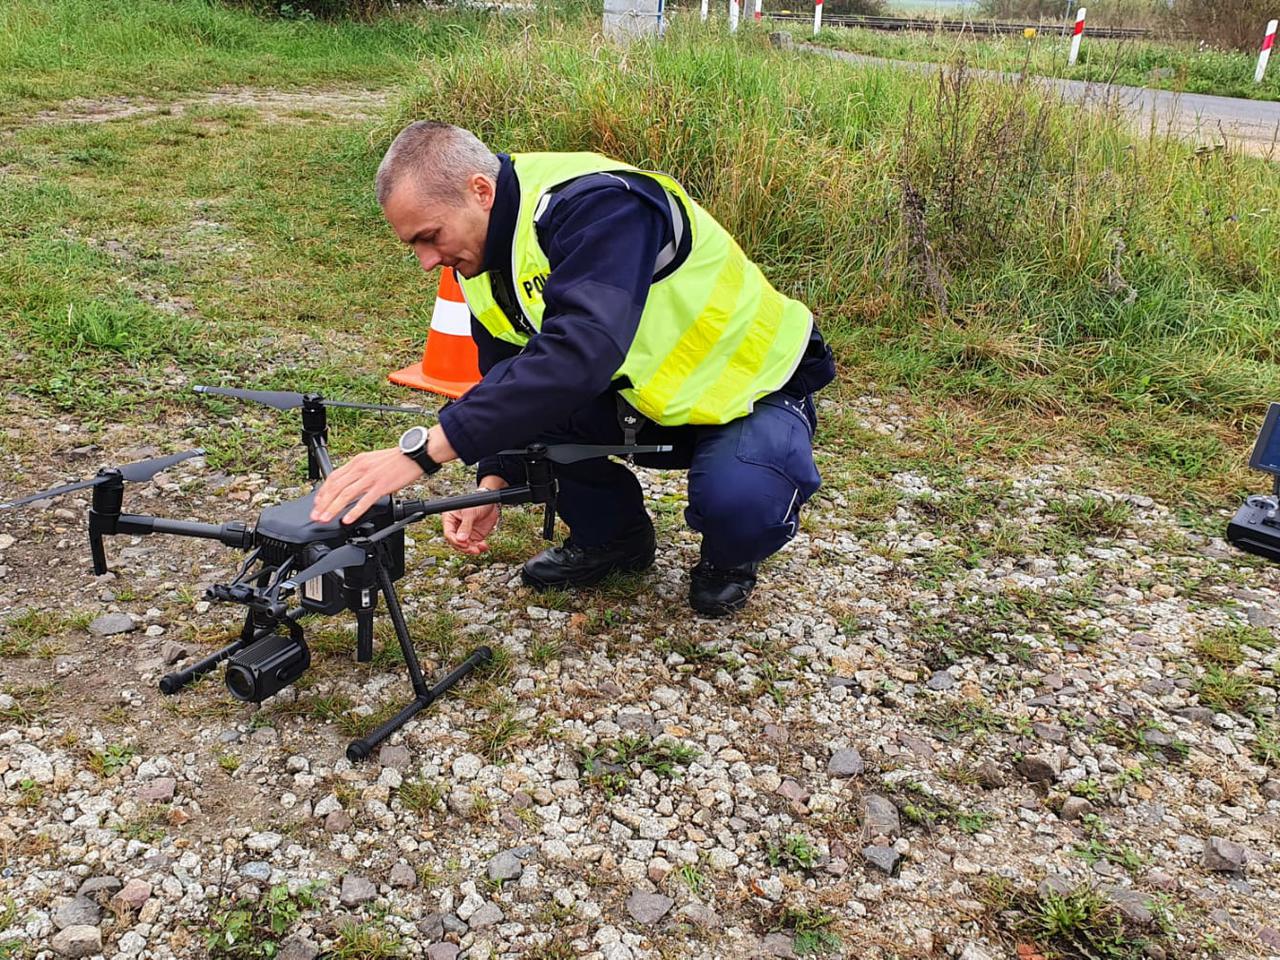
1256 526
327 568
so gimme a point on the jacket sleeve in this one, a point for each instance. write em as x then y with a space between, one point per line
602 243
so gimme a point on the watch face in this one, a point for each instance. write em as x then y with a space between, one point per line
415 438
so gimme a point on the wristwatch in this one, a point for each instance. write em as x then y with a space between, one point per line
413 444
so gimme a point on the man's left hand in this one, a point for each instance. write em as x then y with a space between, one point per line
364 479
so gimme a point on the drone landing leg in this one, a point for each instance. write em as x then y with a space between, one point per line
425 696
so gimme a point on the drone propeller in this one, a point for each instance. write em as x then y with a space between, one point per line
137 472
286 400
348 555
573 452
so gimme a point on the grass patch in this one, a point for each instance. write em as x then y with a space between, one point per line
248 929
1227 692
612 765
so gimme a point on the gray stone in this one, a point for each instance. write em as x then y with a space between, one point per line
879 817
648 908
257 870
778 945
883 858
1224 856
443 951
1269 938
452 924
159 790
700 915
1054 886
846 763
171 651
1075 808
1271 790
431 926
918 745
133 894
81 940
110 624
1050 732
298 947
793 791
1039 768
337 822
1133 904
1258 617
990 776
782 40
1195 714
395 756
76 912
638 721
95 886
402 875
356 890
942 680
972 951
487 916
509 864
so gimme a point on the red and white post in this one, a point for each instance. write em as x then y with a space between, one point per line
817 16
1268 42
1075 38
704 11
759 9
734 12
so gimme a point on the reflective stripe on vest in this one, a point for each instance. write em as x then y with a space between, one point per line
714 335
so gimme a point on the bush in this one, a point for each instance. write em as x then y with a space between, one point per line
1231 24
317 9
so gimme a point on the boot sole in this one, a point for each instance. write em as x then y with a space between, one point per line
590 580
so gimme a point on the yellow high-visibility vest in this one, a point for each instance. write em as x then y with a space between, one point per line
714 335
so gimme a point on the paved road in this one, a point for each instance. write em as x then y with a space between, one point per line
1251 125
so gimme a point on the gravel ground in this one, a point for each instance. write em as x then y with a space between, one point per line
906 746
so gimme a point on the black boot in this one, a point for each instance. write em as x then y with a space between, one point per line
573 566
719 591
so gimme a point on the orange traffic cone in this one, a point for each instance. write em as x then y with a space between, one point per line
449 362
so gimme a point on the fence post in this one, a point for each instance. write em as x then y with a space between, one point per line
817 16
733 15
704 11
1268 42
1075 38
759 9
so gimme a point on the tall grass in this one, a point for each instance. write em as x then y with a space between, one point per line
99 47
964 234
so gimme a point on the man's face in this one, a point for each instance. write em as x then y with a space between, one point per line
443 234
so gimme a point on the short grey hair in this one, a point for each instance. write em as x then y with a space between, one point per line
438 158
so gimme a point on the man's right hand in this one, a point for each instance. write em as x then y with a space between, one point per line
467 529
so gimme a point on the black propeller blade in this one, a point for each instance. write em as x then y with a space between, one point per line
136 472
348 555
573 452
286 400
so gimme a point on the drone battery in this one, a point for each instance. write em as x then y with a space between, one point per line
265 668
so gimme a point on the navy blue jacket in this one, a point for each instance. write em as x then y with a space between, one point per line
602 234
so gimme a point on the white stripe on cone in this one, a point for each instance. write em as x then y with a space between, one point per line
1075 38
451 317
1268 41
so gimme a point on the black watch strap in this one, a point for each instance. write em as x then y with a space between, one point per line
423 460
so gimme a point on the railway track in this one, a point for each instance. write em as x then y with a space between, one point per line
976 27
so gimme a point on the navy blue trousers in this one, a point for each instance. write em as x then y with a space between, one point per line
747 479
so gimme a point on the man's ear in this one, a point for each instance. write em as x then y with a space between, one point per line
483 189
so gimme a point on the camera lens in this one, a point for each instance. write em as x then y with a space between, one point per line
240 682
